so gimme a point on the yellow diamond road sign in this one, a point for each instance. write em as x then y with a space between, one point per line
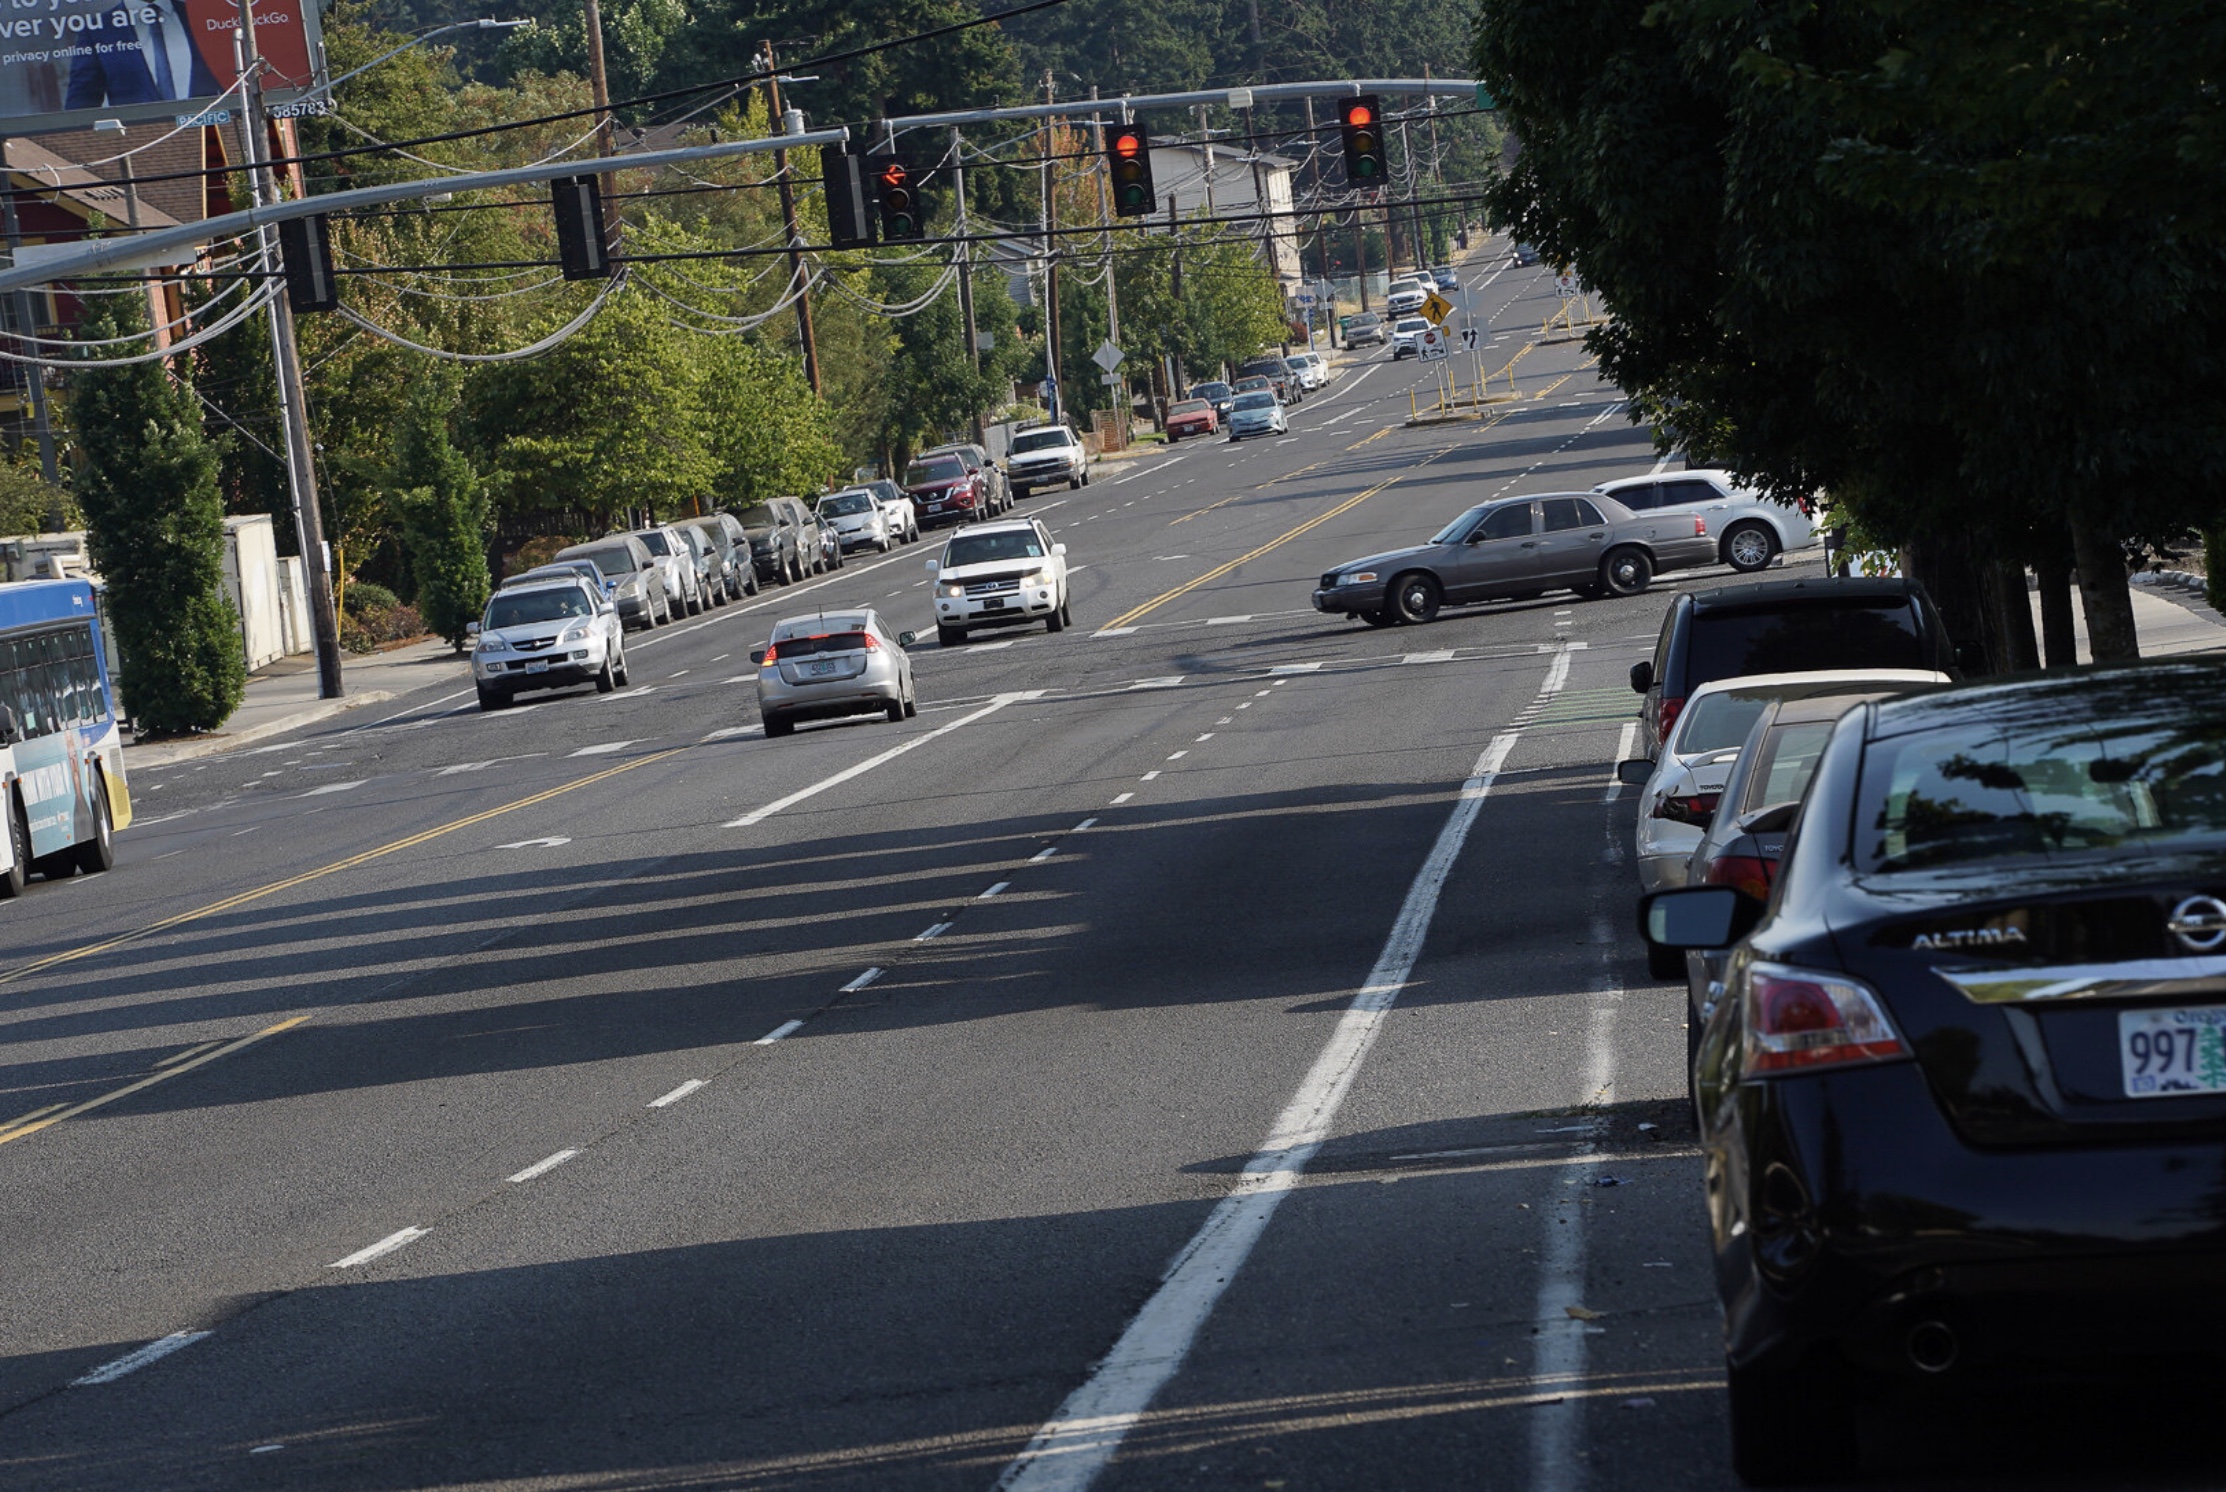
1437 308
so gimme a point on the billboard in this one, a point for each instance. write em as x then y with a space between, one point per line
66 63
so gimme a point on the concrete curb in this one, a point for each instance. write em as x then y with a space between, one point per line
165 753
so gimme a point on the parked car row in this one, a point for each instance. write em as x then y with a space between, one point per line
1956 962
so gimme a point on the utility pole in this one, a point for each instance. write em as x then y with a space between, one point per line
1414 210
965 268
34 374
606 142
788 224
1121 407
293 408
1051 253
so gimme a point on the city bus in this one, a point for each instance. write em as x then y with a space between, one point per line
62 787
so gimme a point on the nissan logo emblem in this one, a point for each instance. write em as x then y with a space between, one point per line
2199 923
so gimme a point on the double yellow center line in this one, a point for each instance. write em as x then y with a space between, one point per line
37 1120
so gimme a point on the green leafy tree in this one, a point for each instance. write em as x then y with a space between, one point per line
155 527
444 513
29 506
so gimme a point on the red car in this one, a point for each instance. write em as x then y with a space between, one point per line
944 489
1191 417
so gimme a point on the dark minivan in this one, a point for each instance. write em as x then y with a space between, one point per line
1784 626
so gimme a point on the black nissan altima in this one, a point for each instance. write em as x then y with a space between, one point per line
1963 1095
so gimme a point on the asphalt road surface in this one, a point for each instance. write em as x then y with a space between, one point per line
1205 1048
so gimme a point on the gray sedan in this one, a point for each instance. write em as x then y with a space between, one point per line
829 664
1513 550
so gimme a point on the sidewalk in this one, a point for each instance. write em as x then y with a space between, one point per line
283 697
2182 624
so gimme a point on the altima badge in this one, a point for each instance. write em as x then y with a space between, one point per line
2199 923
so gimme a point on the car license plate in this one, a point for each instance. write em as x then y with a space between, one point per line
824 666
2168 1053
538 665
994 603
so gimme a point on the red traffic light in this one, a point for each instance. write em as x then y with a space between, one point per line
894 174
1127 144
1357 114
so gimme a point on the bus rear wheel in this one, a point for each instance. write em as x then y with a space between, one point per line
19 846
98 853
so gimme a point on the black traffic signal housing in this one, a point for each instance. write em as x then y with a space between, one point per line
305 247
849 207
897 191
581 247
1128 155
1361 119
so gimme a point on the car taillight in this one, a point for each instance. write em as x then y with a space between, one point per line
1687 808
1797 1019
1750 874
1700 527
866 640
1671 709
772 654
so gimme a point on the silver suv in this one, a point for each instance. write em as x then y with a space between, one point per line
1045 457
1750 531
549 636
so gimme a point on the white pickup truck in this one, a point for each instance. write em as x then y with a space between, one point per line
1045 457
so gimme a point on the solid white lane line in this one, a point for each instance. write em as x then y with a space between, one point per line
1625 744
933 933
748 820
1226 621
992 891
780 1032
1437 655
1114 632
1558 1361
544 1167
384 1246
132 1362
862 980
1171 681
729 732
1121 798
335 787
677 1094
1080 1440
1295 667
604 748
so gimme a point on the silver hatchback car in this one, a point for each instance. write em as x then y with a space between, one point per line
828 664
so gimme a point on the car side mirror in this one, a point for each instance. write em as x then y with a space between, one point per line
931 567
1059 549
757 655
1698 917
471 629
1636 772
1642 675
906 639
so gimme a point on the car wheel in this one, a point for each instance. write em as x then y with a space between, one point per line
695 604
98 853
493 699
606 679
19 850
949 636
1750 547
1066 612
1788 1426
1626 572
1074 484
1085 476
779 725
1056 622
911 706
1414 599
893 711
622 675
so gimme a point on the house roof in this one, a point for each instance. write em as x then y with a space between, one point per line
76 189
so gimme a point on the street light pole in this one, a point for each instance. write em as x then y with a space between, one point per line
788 223
965 268
293 408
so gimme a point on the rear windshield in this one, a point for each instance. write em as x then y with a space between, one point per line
847 504
834 642
1717 721
610 561
978 549
2042 785
1190 406
1041 440
1267 367
1256 399
1834 634
1365 318
758 515
654 539
525 608
943 469
1787 762
1210 391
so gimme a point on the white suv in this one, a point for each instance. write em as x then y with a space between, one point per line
1404 295
550 636
1750 530
999 575
1045 457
